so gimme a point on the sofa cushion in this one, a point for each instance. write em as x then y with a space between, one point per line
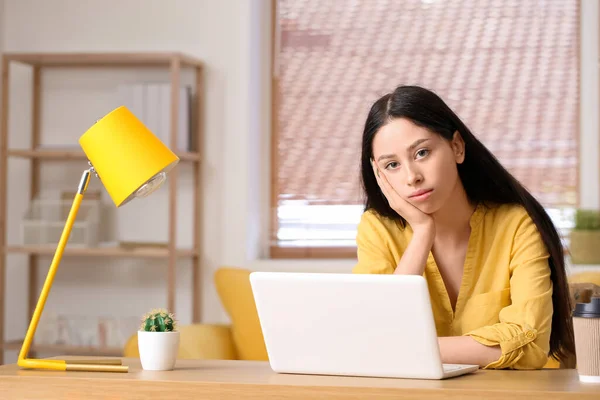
235 292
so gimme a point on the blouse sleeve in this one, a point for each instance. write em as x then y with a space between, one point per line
374 256
523 332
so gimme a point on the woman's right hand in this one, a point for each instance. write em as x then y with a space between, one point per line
414 258
417 219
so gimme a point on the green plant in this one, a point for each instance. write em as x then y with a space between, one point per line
159 320
587 220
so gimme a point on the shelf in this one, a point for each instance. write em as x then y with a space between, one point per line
103 59
12 345
66 349
141 252
67 154
77 350
172 63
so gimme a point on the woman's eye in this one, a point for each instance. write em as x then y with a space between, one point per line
422 153
393 164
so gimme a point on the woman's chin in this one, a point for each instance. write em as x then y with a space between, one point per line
426 208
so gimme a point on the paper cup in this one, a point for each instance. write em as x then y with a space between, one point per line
586 325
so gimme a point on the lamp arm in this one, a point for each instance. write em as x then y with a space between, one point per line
61 365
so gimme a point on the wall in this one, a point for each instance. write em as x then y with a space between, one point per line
589 143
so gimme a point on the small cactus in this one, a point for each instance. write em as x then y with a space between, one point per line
159 320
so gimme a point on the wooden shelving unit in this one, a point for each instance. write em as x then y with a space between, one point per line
142 252
174 62
70 350
65 155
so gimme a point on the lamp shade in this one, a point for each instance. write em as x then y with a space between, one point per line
127 157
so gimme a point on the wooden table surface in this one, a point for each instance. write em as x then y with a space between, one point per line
208 379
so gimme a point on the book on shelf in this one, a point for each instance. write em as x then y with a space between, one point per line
151 103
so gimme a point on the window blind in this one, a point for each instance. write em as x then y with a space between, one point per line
509 69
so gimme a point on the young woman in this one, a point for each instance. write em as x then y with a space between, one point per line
439 204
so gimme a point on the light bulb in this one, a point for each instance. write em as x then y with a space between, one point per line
153 183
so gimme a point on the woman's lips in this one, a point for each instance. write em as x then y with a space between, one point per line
421 195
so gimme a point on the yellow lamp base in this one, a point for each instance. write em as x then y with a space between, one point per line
107 365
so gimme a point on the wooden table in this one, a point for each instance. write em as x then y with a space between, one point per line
204 379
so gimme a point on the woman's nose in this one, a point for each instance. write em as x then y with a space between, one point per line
413 177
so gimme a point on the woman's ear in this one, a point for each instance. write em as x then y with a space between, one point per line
458 147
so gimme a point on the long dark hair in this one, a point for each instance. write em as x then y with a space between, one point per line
485 181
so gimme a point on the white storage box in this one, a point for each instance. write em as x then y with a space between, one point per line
45 220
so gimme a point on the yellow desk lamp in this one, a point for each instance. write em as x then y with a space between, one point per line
130 162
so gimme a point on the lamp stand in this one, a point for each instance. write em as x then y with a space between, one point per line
107 365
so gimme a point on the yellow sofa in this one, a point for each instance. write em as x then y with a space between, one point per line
243 339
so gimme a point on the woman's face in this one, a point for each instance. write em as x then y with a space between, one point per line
419 164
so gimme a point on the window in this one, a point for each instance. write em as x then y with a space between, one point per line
509 69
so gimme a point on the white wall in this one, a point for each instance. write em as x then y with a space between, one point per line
589 144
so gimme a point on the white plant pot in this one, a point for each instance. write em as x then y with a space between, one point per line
158 350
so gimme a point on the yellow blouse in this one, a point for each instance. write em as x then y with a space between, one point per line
505 297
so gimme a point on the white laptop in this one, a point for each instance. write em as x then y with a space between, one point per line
350 324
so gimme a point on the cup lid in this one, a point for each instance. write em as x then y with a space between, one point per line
588 310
